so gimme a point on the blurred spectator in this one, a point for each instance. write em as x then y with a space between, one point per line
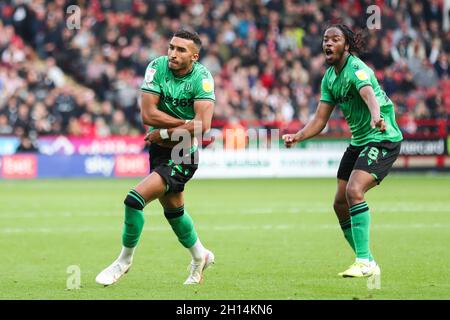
101 128
265 56
442 65
5 127
54 73
26 145
119 125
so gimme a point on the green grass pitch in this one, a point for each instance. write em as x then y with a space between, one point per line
273 239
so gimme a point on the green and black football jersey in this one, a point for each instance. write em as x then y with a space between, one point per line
177 94
343 89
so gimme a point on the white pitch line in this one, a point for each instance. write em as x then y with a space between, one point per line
231 227
442 208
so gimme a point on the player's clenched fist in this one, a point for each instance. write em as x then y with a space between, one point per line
289 140
379 124
153 136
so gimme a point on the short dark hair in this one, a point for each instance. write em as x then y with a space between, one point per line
355 40
185 34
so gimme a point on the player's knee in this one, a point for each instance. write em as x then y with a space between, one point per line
354 193
339 203
134 200
172 213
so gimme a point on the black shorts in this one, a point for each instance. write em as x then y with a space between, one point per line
375 158
175 173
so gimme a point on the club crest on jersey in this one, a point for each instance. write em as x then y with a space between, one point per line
207 85
362 75
149 75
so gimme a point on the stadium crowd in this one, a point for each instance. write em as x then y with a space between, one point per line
265 56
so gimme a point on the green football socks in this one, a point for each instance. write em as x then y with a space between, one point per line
134 219
346 227
360 227
183 226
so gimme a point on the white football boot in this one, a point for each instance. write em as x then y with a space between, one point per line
197 268
113 273
358 270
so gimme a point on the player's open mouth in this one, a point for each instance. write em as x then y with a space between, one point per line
328 53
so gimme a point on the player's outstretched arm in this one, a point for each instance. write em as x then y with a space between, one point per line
313 127
151 116
368 95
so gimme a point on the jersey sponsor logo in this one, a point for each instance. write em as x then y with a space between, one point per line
177 102
207 85
362 75
149 75
347 98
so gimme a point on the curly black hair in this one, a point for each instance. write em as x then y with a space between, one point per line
355 40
